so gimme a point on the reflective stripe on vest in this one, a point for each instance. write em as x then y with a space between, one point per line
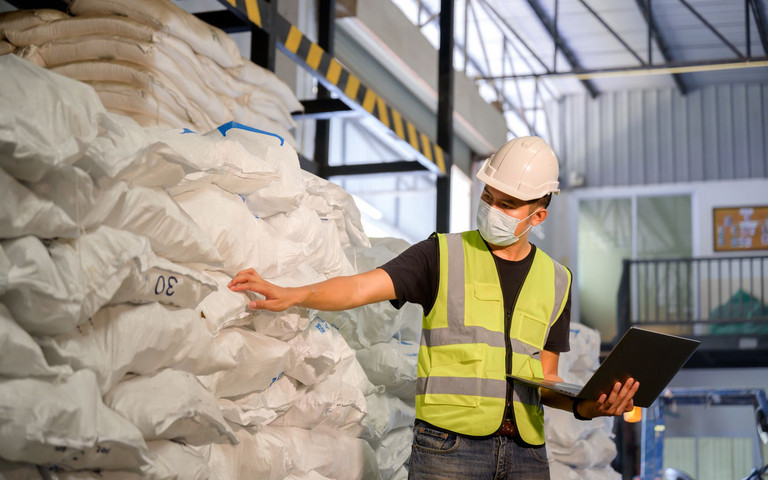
461 384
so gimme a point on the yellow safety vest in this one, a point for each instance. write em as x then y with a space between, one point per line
461 384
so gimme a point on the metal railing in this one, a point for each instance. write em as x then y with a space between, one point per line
695 296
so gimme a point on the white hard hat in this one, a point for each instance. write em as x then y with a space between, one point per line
525 168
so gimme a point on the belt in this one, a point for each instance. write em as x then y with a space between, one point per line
507 429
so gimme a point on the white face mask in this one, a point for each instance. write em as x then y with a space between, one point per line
498 228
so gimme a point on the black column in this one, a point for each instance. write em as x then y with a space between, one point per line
263 45
445 113
326 26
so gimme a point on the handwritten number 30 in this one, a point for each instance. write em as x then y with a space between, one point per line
163 286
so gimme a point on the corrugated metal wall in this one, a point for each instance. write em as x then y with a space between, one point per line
659 136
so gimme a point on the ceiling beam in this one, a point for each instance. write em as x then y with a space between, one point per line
658 69
712 28
38 4
612 32
654 32
758 10
224 20
489 8
560 42
400 166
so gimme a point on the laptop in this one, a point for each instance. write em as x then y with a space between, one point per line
651 358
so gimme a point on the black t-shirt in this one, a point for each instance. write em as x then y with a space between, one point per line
415 275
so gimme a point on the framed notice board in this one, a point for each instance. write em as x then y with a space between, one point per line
740 228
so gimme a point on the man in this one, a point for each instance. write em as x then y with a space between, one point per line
493 304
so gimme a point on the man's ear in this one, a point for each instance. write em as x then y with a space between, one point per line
539 217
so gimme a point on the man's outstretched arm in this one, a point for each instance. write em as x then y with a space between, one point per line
338 293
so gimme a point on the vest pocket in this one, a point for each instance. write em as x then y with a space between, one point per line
529 329
454 377
486 305
527 366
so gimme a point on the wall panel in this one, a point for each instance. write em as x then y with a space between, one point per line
648 137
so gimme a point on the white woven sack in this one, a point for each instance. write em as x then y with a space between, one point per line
31 54
166 460
349 372
401 473
67 26
5 270
171 232
124 150
393 452
331 405
33 288
563 429
584 356
211 159
259 76
603 472
22 212
224 308
102 267
244 114
562 471
146 54
317 350
155 279
259 362
65 424
140 98
35 137
393 365
333 203
322 246
75 192
274 453
22 356
165 16
377 253
172 405
241 240
287 324
138 339
598 449
157 104
260 408
279 196
386 413
368 324
17 20
149 78
19 471
313 475
209 74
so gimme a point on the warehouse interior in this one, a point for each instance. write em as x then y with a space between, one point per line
377 115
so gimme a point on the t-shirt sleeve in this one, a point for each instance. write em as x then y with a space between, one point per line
559 335
414 274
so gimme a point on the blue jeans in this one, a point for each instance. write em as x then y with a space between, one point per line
439 455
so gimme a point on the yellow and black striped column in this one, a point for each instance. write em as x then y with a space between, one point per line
338 79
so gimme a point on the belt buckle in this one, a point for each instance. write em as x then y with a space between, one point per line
507 429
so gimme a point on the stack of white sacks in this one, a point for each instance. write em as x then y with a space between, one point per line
124 354
580 449
154 62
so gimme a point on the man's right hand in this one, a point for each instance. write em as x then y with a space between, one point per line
338 293
276 299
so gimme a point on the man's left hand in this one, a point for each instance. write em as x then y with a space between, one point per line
618 401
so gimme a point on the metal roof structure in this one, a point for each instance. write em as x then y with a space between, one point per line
523 53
